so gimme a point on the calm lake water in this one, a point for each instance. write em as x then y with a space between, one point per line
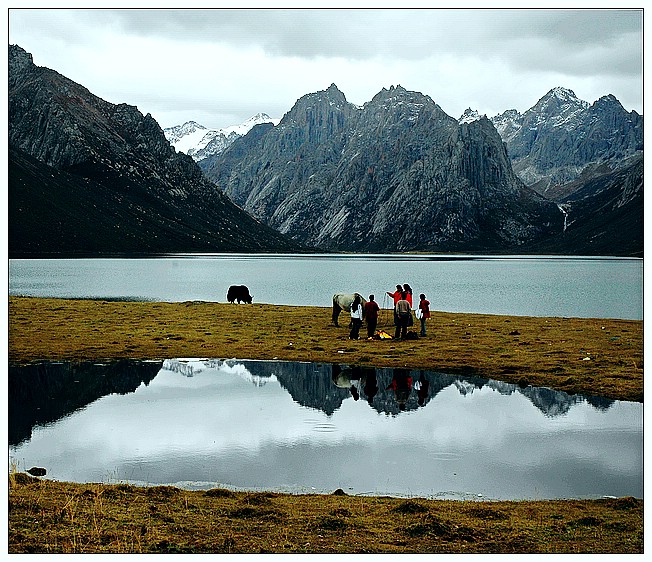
514 285
303 427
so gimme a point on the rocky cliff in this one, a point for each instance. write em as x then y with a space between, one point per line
397 174
90 177
555 140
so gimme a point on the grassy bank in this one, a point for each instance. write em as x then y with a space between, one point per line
581 356
588 356
51 517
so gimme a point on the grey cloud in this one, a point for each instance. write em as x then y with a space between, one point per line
572 27
393 33
578 41
487 58
281 32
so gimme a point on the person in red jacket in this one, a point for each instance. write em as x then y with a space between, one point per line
424 307
402 386
371 310
408 293
396 295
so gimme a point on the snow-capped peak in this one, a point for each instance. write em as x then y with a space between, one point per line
558 108
469 116
174 134
200 142
249 124
564 94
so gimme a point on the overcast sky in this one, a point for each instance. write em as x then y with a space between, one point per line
219 67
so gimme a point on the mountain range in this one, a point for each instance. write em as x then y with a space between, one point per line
398 174
87 177
553 142
549 145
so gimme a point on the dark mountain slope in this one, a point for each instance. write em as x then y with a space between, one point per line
54 212
605 215
102 178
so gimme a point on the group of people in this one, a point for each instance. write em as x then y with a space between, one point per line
403 310
402 297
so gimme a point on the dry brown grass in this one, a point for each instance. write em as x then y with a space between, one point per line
53 517
586 356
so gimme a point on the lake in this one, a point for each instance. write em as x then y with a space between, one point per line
513 285
314 428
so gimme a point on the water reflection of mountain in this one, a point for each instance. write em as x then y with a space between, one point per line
42 393
309 384
326 386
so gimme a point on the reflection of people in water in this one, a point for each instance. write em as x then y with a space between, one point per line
422 386
371 385
357 380
348 378
401 385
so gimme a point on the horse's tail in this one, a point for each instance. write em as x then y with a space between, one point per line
336 309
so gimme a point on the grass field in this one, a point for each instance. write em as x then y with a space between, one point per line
54 517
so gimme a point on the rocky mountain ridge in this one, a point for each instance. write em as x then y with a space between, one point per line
397 174
329 173
90 177
553 142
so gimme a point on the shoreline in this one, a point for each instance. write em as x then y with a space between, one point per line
49 517
589 356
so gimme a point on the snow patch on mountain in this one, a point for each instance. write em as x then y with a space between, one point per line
199 142
249 124
508 123
469 116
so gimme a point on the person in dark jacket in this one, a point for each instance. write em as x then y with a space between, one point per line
371 310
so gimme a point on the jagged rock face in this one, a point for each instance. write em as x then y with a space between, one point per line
118 164
395 175
551 143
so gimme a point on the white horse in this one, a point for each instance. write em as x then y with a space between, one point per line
343 301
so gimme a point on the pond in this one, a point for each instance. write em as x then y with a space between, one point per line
314 428
511 285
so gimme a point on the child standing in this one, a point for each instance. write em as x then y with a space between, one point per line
424 306
356 318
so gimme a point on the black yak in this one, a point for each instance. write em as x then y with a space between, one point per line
239 293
